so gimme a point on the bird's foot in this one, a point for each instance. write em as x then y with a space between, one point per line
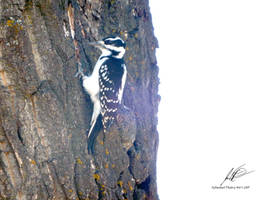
126 108
79 72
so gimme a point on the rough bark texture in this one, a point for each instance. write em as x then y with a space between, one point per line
44 112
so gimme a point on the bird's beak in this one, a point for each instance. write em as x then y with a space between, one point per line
98 44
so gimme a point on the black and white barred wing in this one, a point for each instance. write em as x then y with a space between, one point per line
111 81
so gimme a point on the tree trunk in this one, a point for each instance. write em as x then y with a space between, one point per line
45 113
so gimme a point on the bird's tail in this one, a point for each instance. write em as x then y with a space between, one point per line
93 133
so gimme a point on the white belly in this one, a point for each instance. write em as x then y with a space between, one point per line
91 86
91 83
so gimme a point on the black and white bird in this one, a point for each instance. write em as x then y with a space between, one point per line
106 83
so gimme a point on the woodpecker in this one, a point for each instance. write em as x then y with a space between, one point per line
106 83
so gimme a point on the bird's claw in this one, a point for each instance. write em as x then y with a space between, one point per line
126 108
79 72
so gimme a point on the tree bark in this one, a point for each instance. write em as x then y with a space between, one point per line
45 113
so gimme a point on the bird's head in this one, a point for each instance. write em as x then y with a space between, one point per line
111 46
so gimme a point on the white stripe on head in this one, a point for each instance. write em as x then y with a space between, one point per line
120 50
114 38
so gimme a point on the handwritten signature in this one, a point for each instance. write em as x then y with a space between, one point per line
234 174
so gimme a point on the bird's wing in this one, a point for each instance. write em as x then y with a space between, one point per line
110 81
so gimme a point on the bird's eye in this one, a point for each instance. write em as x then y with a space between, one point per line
116 43
119 43
107 42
